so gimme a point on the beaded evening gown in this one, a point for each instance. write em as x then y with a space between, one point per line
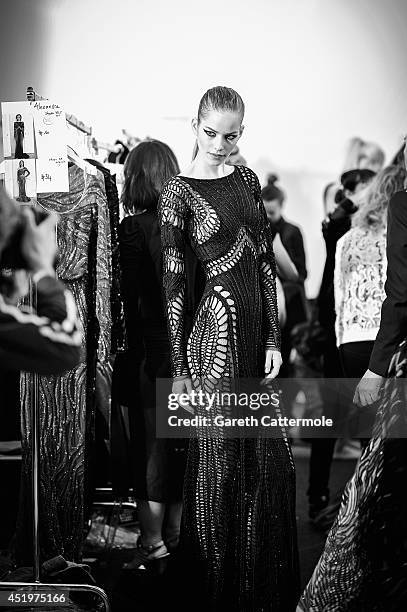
363 567
19 138
238 536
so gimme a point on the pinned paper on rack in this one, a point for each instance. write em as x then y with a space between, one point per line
51 139
52 175
50 128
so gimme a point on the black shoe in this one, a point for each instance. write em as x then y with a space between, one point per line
316 505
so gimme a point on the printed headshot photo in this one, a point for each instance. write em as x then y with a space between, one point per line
18 130
20 179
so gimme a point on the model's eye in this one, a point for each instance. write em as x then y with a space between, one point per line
232 137
210 134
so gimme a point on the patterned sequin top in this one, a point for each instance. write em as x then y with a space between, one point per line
225 222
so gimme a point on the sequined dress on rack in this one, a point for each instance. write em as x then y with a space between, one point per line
238 536
68 403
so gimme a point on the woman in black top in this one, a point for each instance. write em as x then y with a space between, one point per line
159 463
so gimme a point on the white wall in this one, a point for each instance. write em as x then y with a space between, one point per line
313 73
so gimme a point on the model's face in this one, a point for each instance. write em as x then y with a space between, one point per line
21 164
18 118
217 135
273 210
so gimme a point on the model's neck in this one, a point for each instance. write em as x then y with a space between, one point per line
200 169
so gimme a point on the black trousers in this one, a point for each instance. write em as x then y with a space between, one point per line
350 361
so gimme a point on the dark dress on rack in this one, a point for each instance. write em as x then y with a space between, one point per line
158 464
18 137
238 534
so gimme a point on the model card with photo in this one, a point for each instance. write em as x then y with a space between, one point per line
18 130
20 180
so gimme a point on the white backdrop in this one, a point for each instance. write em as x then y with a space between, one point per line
313 73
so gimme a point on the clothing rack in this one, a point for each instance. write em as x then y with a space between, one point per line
32 96
35 455
95 144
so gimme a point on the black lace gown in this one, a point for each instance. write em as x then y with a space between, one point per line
238 533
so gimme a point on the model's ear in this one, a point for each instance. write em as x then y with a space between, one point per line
241 130
194 124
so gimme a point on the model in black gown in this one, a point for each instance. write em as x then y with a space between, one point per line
18 137
238 529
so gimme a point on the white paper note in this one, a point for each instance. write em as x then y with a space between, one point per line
51 139
52 175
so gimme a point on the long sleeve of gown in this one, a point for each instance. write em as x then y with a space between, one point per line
268 272
171 215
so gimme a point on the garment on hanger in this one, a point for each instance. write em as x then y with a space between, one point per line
68 403
118 335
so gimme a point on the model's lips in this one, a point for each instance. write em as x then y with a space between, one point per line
216 155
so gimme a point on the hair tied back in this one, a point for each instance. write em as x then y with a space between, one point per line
272 179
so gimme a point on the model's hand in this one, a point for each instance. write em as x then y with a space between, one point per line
39 244
182 386
273 363
368 389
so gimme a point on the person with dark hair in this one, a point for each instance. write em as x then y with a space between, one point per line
158 464
337 223
238 534
294 293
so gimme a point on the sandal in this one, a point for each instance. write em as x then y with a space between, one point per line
172 542
147 554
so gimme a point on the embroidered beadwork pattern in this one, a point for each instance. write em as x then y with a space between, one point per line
226 262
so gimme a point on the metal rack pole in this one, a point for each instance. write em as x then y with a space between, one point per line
35 457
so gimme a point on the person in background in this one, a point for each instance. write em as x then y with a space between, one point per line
361 155
289 237
360 273
393 324
363 565
353 186
286 270
158 463
47 341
